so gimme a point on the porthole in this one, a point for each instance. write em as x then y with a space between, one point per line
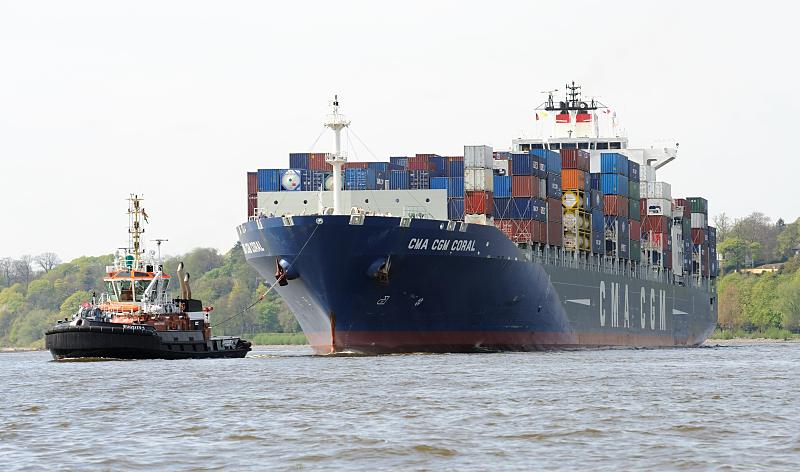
275 202
366 200
397 200
305 202
427 200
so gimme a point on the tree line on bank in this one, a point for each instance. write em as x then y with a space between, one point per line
758 302
35 292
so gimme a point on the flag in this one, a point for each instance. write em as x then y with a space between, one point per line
537 117
145 216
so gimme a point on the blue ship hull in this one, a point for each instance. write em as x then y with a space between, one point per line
379 287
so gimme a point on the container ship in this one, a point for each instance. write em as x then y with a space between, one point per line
564 241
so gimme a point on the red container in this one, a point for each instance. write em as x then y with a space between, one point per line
555 234
687 208
635 230
643 207
252 183
506 226
667 259
540 231
522 186
419 162
523 231
478 203
355 165
615 205
654 224
554 210
575 159
316 161
699 236
252 201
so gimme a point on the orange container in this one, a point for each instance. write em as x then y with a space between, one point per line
573 179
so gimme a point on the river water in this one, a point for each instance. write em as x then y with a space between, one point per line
727 408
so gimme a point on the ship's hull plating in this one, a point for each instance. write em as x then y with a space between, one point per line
458 291
117 342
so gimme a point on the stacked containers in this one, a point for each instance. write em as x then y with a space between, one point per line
318 161
361 179
455 188
577 216
614 184
478 184
252 193
269 180
701 261
399 180
634 213
550 171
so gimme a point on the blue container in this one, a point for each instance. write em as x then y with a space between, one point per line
299 160
455 209
502 208
598 221
598 243
597 200
419 179
438 166
318 179
549 161
384 166
360 179
553 185
613 163
614 184
455 189
269 180
522 208
633 171
539 209
398 180
439 183
399 161
456 169
522 164
595 180
502 186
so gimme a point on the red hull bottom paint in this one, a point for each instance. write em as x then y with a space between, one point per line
386 342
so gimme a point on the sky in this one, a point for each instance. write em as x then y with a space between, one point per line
176 100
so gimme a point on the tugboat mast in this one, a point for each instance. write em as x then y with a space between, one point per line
337 122
135 230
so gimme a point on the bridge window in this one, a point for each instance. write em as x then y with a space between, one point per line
139 286
535 146
583 145
569 146
615 145
125 291
602 145
113 291
555 145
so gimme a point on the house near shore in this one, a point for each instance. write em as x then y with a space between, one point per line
766 268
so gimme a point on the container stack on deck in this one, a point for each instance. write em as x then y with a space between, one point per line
478 184
576 199
610 170
592 202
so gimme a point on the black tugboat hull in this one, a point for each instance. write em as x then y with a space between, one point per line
74 342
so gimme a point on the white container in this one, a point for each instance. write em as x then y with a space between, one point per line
647 173
699 221
478 157
479 220
655 190
478 180
595 166
501 167
659 207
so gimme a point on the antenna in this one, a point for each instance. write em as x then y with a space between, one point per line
158 247
135 212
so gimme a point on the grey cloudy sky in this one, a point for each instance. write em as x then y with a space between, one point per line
178 99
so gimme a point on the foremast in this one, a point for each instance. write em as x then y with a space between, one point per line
135 230
337 122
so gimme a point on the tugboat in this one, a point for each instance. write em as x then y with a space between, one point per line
136 318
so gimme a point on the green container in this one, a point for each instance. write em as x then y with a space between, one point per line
699 205
633 191
633 210
636 250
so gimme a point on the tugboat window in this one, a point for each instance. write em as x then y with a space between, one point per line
139 287
113 292
125 292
